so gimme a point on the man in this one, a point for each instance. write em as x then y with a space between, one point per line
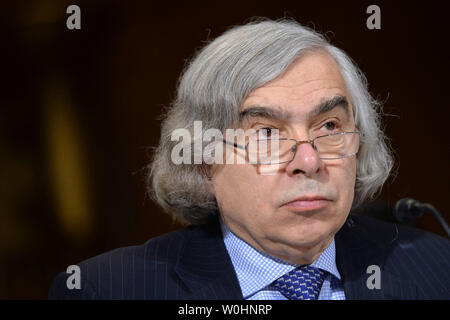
276 224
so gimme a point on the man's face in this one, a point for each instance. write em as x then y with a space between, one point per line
260 208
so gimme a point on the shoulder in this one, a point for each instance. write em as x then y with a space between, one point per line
404 237
121 273
161 249
424 259
412 255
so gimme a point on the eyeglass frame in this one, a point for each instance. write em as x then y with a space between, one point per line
298 142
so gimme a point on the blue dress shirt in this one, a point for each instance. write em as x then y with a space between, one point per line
256 271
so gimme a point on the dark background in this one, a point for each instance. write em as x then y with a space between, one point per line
79 111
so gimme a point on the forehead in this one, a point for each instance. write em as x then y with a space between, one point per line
306 82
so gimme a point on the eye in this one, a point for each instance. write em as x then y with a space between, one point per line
264 133
330 126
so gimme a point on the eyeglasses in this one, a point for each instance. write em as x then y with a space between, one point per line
282 150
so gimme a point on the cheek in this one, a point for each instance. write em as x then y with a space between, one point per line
345 177
239 191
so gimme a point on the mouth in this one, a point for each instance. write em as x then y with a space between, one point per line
307 203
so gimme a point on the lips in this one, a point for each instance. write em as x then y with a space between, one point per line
308 203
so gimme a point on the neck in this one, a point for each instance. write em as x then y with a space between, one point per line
298 255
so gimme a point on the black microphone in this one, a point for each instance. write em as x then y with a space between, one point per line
407 210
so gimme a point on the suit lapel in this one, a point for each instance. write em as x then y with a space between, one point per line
205 267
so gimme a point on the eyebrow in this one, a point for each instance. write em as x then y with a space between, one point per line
283 115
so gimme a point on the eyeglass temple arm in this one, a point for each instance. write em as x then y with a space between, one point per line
233 144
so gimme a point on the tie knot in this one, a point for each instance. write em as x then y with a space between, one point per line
302 283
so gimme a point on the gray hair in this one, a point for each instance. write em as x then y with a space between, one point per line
212 89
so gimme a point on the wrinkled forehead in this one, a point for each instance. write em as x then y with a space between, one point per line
312 85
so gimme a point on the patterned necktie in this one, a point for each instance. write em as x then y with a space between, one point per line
302 283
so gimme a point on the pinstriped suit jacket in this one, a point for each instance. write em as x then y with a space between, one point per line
193 264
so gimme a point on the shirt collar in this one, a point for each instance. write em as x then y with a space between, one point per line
255 269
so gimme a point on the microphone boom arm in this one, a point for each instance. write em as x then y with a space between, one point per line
438 217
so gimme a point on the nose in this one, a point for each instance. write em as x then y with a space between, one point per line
306 161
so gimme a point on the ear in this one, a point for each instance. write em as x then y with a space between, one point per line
209 171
